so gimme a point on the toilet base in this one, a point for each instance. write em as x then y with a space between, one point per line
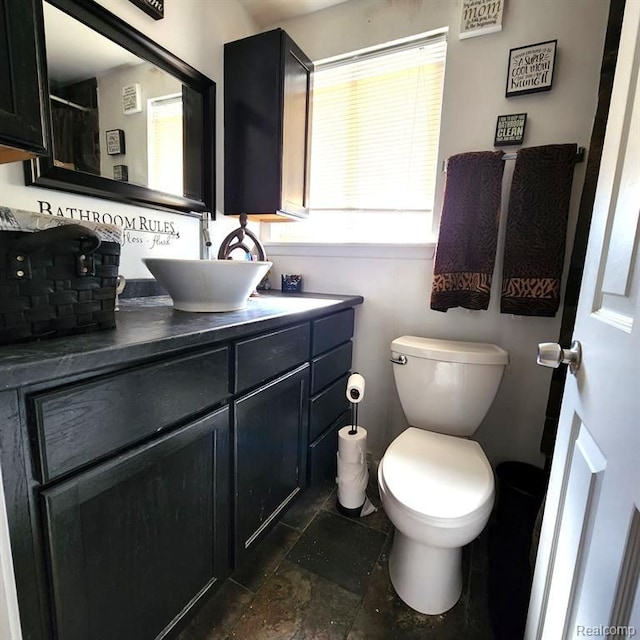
428 579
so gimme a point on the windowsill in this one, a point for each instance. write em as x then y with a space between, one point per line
352 250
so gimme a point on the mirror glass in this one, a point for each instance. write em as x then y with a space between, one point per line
127 122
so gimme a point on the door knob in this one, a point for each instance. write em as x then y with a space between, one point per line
551 354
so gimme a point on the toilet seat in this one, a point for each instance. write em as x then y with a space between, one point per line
442 480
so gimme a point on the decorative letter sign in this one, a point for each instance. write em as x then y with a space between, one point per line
531 68
480 17
510 129
131 99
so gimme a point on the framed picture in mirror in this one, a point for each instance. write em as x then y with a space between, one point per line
131 99
115 142
153 8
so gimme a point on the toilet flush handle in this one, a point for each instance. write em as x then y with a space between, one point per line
399 360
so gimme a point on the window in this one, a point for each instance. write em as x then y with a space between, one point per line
165 141
374 148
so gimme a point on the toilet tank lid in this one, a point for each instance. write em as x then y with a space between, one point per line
450 350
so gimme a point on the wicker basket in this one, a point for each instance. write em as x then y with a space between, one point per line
56 281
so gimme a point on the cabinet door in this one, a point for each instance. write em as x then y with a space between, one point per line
295 129
134 540
22 82
270 454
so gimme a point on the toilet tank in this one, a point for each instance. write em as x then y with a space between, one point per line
446 386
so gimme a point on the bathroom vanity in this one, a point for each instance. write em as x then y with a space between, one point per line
141 465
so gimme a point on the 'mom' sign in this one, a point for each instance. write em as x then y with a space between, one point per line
480 17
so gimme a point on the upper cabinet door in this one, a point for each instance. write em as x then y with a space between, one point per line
23 102
267 126
296 127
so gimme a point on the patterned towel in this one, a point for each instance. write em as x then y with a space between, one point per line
466 248
536 230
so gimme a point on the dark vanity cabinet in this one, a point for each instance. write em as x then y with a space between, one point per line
23 83
134 489
131 486
267 126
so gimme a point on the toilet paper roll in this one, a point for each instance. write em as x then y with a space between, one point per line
352 467
352 447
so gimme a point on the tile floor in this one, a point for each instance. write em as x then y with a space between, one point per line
321 576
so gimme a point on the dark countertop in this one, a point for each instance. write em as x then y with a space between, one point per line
147 327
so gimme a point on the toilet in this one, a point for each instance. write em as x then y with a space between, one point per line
436 485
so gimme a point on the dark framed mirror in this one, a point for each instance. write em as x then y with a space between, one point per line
130 121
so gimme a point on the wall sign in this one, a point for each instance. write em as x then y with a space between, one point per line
131 99
153 8
510 129
121 172
480 17
531 68
145 232
115 142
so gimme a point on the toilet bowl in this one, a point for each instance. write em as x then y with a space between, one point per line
436 485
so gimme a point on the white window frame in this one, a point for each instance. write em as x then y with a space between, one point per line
151 147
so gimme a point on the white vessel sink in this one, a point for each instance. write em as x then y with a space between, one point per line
207 285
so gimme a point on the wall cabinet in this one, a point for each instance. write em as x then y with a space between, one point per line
267 126
23 90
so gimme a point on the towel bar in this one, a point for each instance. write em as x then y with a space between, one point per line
512 156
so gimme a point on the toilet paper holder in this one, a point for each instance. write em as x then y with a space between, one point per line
355 393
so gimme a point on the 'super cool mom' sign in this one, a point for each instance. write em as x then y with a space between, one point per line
531 68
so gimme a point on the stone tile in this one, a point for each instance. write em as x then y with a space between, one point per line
262 562
296 604
478 622
307 505
340 550
219 614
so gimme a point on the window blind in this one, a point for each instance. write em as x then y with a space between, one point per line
376 123
165 141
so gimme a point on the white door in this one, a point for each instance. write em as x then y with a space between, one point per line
588 564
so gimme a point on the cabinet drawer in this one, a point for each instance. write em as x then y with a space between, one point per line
327 406
329 366
322 454
78 424
331 331
262 358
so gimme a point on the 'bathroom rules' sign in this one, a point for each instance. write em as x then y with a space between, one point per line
145 232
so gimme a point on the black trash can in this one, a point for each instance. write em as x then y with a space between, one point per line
520 489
